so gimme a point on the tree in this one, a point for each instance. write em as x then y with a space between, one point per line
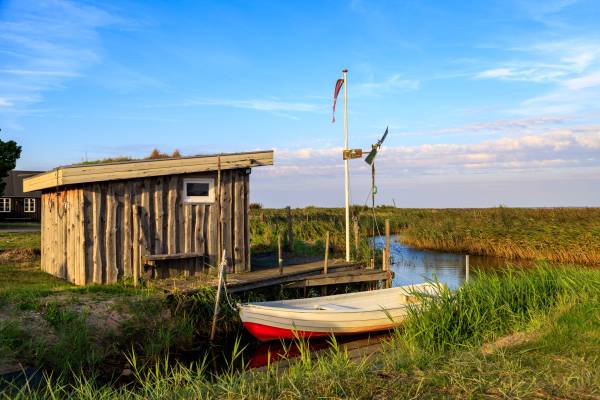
9 154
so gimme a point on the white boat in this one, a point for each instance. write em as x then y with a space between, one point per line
343 314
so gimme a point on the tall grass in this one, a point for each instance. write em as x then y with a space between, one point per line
495 304
437 355
567 235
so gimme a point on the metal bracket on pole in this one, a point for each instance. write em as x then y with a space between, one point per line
352 153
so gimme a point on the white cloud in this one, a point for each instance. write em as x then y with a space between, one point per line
4 102
584 82
45 43
262 105
546 62
565 148
570 69
520 125
393 83
28 72
496 73
272 105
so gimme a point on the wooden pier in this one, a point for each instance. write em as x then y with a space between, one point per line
296 276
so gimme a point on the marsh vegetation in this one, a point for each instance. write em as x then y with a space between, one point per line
505 335
508 333
564 235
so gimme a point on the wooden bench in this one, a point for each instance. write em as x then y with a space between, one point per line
151 259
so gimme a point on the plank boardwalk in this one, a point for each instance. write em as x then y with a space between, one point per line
299 275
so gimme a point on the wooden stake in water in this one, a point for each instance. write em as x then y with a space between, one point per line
387 242
325 264
279 255
290 232
222 266
386 252
326 261
356 238
467 268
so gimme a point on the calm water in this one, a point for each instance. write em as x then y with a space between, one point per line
412 265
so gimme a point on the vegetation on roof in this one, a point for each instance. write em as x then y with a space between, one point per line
154 155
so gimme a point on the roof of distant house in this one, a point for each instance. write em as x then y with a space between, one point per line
14 184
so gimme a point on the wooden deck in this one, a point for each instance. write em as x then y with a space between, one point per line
300 275
343 277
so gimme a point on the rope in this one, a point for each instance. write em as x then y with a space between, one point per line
223 265
227 298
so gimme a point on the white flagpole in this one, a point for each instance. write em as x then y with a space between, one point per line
346 176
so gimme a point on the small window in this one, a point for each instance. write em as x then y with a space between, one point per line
198 190
29 205
4 204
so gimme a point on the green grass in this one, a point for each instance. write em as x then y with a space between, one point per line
496 305
556 312
48 323
19 240
19 224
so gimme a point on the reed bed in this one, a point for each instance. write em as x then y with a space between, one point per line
564 235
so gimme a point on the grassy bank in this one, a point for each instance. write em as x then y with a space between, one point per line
566 235
46 323
502 336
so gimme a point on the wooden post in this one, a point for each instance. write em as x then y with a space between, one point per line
290 232
387 243
356 238
326 261
467 268
279 255
386 251
136 245
222 266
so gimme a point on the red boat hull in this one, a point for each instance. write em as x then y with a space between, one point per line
265 333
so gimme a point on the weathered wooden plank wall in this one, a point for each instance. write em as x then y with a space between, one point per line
97 233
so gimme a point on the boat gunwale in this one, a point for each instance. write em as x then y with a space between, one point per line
247 307
280 305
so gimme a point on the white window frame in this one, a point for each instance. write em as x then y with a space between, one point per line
27 205
199 199
6 204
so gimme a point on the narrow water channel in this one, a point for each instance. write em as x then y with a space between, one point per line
411 265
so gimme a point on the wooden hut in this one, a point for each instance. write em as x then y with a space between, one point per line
105 222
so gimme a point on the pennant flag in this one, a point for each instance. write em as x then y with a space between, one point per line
338 86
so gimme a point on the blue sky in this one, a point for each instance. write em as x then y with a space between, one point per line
488 102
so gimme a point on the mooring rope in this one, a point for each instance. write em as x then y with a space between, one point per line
227 298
